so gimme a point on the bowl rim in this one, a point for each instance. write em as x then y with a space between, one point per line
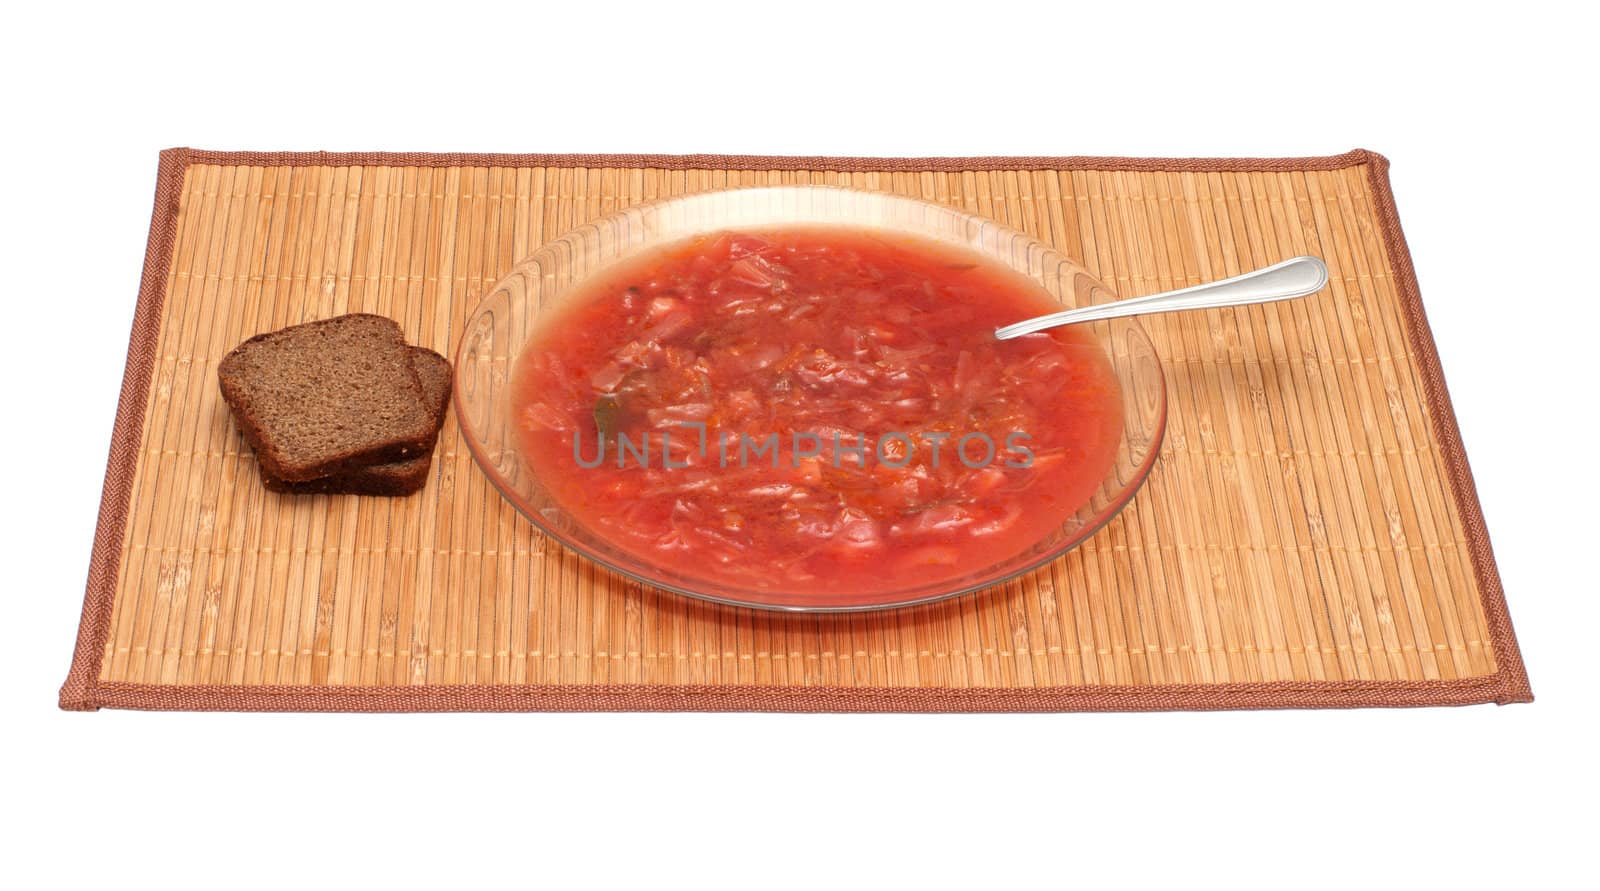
1090 527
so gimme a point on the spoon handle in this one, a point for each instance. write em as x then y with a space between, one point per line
1280 281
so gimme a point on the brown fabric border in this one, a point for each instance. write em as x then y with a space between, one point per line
644 697
1511 673
766 162
83 691
79 690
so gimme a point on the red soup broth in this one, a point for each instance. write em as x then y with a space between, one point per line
821 412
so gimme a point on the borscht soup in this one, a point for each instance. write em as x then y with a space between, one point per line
814 410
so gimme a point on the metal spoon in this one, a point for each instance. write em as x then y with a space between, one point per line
1280 281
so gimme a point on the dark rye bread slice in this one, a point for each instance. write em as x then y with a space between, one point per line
316 399
395 477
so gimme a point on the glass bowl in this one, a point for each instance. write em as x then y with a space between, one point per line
529 294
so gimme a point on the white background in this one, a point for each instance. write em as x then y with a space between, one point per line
1486 115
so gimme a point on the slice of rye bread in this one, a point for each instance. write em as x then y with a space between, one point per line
395 477
316 399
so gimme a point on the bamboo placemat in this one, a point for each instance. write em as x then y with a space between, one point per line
1310 535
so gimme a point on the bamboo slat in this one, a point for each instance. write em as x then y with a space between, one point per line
1308 536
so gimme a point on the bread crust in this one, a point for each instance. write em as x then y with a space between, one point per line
394 479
